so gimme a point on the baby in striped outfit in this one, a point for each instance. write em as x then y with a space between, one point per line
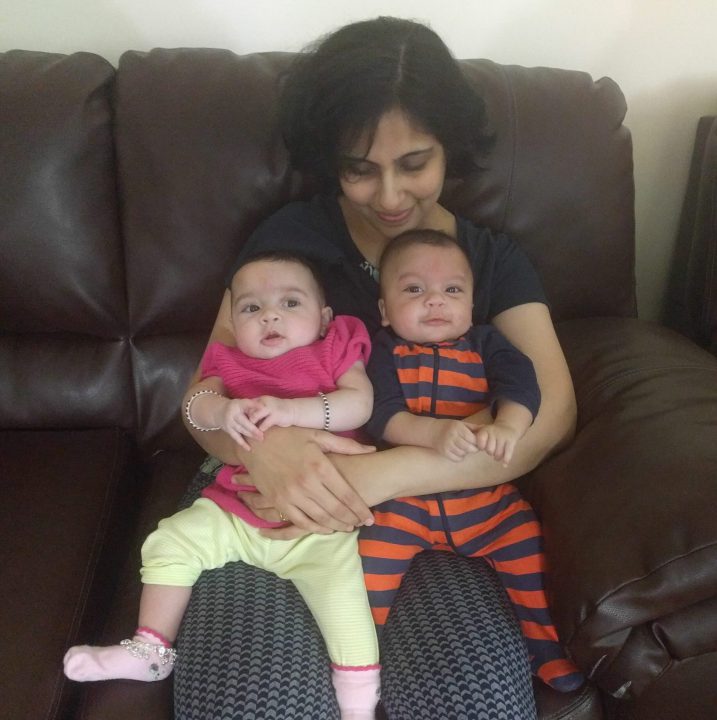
431 367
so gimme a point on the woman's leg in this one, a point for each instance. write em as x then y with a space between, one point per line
249 648
452 647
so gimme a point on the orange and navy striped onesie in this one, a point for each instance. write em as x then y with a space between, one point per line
454 380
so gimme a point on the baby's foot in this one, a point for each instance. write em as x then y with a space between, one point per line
133 659
357 691
561 675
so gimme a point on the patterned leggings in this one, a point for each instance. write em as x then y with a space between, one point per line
452 648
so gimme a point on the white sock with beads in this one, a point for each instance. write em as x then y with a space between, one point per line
146 657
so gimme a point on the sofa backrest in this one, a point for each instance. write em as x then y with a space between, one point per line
198 165
64 350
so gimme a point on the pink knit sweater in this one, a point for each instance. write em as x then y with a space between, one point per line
302 372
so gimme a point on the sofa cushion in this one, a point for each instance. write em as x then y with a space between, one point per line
67 499
687 691
63 317
166 476
199 168
559 181
631 587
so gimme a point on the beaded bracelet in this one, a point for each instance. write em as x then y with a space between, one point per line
188 407
327 411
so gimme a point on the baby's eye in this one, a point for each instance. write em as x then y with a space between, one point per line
292 303
413 289
250 308
454 290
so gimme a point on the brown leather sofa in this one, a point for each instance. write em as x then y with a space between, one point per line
124 195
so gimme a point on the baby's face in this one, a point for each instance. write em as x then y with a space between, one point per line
276 307
427 293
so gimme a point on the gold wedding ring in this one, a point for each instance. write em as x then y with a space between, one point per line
283 517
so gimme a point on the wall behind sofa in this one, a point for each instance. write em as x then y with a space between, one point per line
662 53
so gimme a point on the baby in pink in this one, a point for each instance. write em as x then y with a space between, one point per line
292 365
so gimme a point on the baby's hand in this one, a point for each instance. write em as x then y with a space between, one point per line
498 440
455 439
270 411
235 420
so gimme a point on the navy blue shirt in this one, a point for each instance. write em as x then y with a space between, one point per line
503 275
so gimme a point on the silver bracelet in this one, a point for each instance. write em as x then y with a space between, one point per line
327 411
188 407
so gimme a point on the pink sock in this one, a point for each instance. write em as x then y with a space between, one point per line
142 658
357 691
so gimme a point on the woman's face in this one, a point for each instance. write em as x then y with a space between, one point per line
394 186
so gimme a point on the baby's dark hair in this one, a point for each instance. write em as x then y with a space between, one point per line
409 238
286 256
341 87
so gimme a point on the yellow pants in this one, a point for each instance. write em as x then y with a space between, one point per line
326 570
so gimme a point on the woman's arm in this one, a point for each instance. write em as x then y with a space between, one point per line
214 411
218 443
417 471
407 470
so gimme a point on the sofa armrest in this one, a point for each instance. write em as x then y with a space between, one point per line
628 508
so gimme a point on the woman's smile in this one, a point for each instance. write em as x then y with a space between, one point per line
394 184
396 218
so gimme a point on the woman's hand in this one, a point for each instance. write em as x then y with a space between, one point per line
261 507
291 472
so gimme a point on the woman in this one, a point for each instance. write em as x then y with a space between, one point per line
380 113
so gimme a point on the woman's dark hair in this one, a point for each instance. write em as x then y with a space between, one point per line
338 90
